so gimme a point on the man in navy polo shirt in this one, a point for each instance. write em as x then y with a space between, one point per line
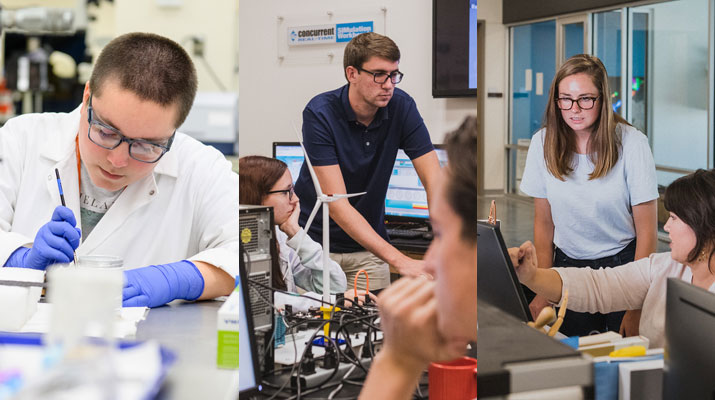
352 135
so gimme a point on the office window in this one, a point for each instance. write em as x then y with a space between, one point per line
532 70
670 53
607 31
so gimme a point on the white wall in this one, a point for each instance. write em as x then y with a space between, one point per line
496 81
215 20
274 93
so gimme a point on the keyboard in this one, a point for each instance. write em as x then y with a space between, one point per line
406 233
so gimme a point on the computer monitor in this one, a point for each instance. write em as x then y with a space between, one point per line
689 342
406 199
290 153
498 283
249 374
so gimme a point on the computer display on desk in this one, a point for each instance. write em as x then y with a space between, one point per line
249 376
689 342
290 153
498 283
406 199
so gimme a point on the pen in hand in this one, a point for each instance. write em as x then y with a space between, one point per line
59 185
62 199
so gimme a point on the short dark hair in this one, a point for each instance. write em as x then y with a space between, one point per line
153 67
691 198
365 45
461 186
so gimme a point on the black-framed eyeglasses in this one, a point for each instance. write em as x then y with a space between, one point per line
290 191
584 103
382 77
110 138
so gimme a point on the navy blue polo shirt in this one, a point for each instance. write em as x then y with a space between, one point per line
366 156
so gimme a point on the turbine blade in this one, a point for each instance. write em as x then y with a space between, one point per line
354 194
308 222
312 215
345 196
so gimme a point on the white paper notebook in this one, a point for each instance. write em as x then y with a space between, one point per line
125 323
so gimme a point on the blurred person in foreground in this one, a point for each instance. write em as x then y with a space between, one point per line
427 320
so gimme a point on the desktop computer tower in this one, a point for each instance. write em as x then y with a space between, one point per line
258 240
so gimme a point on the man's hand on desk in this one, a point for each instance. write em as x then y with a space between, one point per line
407 266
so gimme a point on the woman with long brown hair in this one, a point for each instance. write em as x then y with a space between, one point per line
267 181
593 180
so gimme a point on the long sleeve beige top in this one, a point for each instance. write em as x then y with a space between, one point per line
637 285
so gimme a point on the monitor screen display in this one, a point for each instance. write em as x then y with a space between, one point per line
406 196
689 343
454 48
290 153
472 44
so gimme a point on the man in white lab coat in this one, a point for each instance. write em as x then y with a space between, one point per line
134 186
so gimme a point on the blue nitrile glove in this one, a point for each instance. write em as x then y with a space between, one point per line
54 243
157 285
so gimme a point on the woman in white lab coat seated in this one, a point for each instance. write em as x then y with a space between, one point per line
641 283
267 181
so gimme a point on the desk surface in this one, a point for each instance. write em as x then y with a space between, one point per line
189 330
505 343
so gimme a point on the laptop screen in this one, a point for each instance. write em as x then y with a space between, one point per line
498 283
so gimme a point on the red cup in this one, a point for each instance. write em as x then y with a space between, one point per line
453 380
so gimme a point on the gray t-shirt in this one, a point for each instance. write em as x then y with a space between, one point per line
94 203
593 218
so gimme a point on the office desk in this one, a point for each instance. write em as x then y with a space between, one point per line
515 358
189 330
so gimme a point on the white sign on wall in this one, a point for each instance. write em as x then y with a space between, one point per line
311 34
322 34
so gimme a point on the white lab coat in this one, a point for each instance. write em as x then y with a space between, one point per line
304 270
186 209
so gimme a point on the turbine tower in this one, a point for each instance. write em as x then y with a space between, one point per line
322 200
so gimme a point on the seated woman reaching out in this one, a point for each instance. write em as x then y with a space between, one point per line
642 283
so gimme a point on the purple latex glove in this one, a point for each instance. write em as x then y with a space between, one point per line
157 285
54 243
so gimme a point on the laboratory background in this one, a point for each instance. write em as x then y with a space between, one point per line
179 351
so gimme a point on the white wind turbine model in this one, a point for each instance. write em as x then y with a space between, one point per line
324 200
